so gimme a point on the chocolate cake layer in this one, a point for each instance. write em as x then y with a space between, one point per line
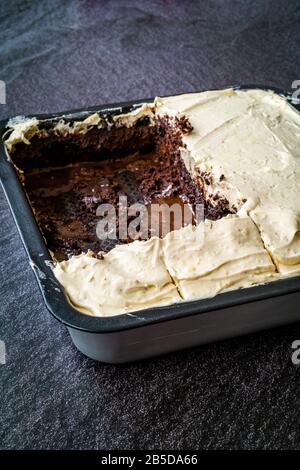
65 199
67 177
50 148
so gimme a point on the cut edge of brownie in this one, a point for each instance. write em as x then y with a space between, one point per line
157 143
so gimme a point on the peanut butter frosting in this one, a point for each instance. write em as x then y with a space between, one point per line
216 256
129 277
190 263
22 129
247 145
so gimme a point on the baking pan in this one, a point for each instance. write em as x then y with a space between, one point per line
154 331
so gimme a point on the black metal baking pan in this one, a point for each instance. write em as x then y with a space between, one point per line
154 331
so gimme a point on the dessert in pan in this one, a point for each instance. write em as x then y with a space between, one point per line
234 153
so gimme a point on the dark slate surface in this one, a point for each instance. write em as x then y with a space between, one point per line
242 393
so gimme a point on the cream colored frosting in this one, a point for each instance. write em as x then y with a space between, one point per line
228 253
23 129
129 277
249 144
190 263
129 119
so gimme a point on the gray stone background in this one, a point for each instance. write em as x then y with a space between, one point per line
242 393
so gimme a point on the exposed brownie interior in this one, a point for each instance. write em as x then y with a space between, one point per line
68 177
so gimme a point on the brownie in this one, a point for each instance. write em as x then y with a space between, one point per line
68 177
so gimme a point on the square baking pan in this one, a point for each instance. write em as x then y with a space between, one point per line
145 333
